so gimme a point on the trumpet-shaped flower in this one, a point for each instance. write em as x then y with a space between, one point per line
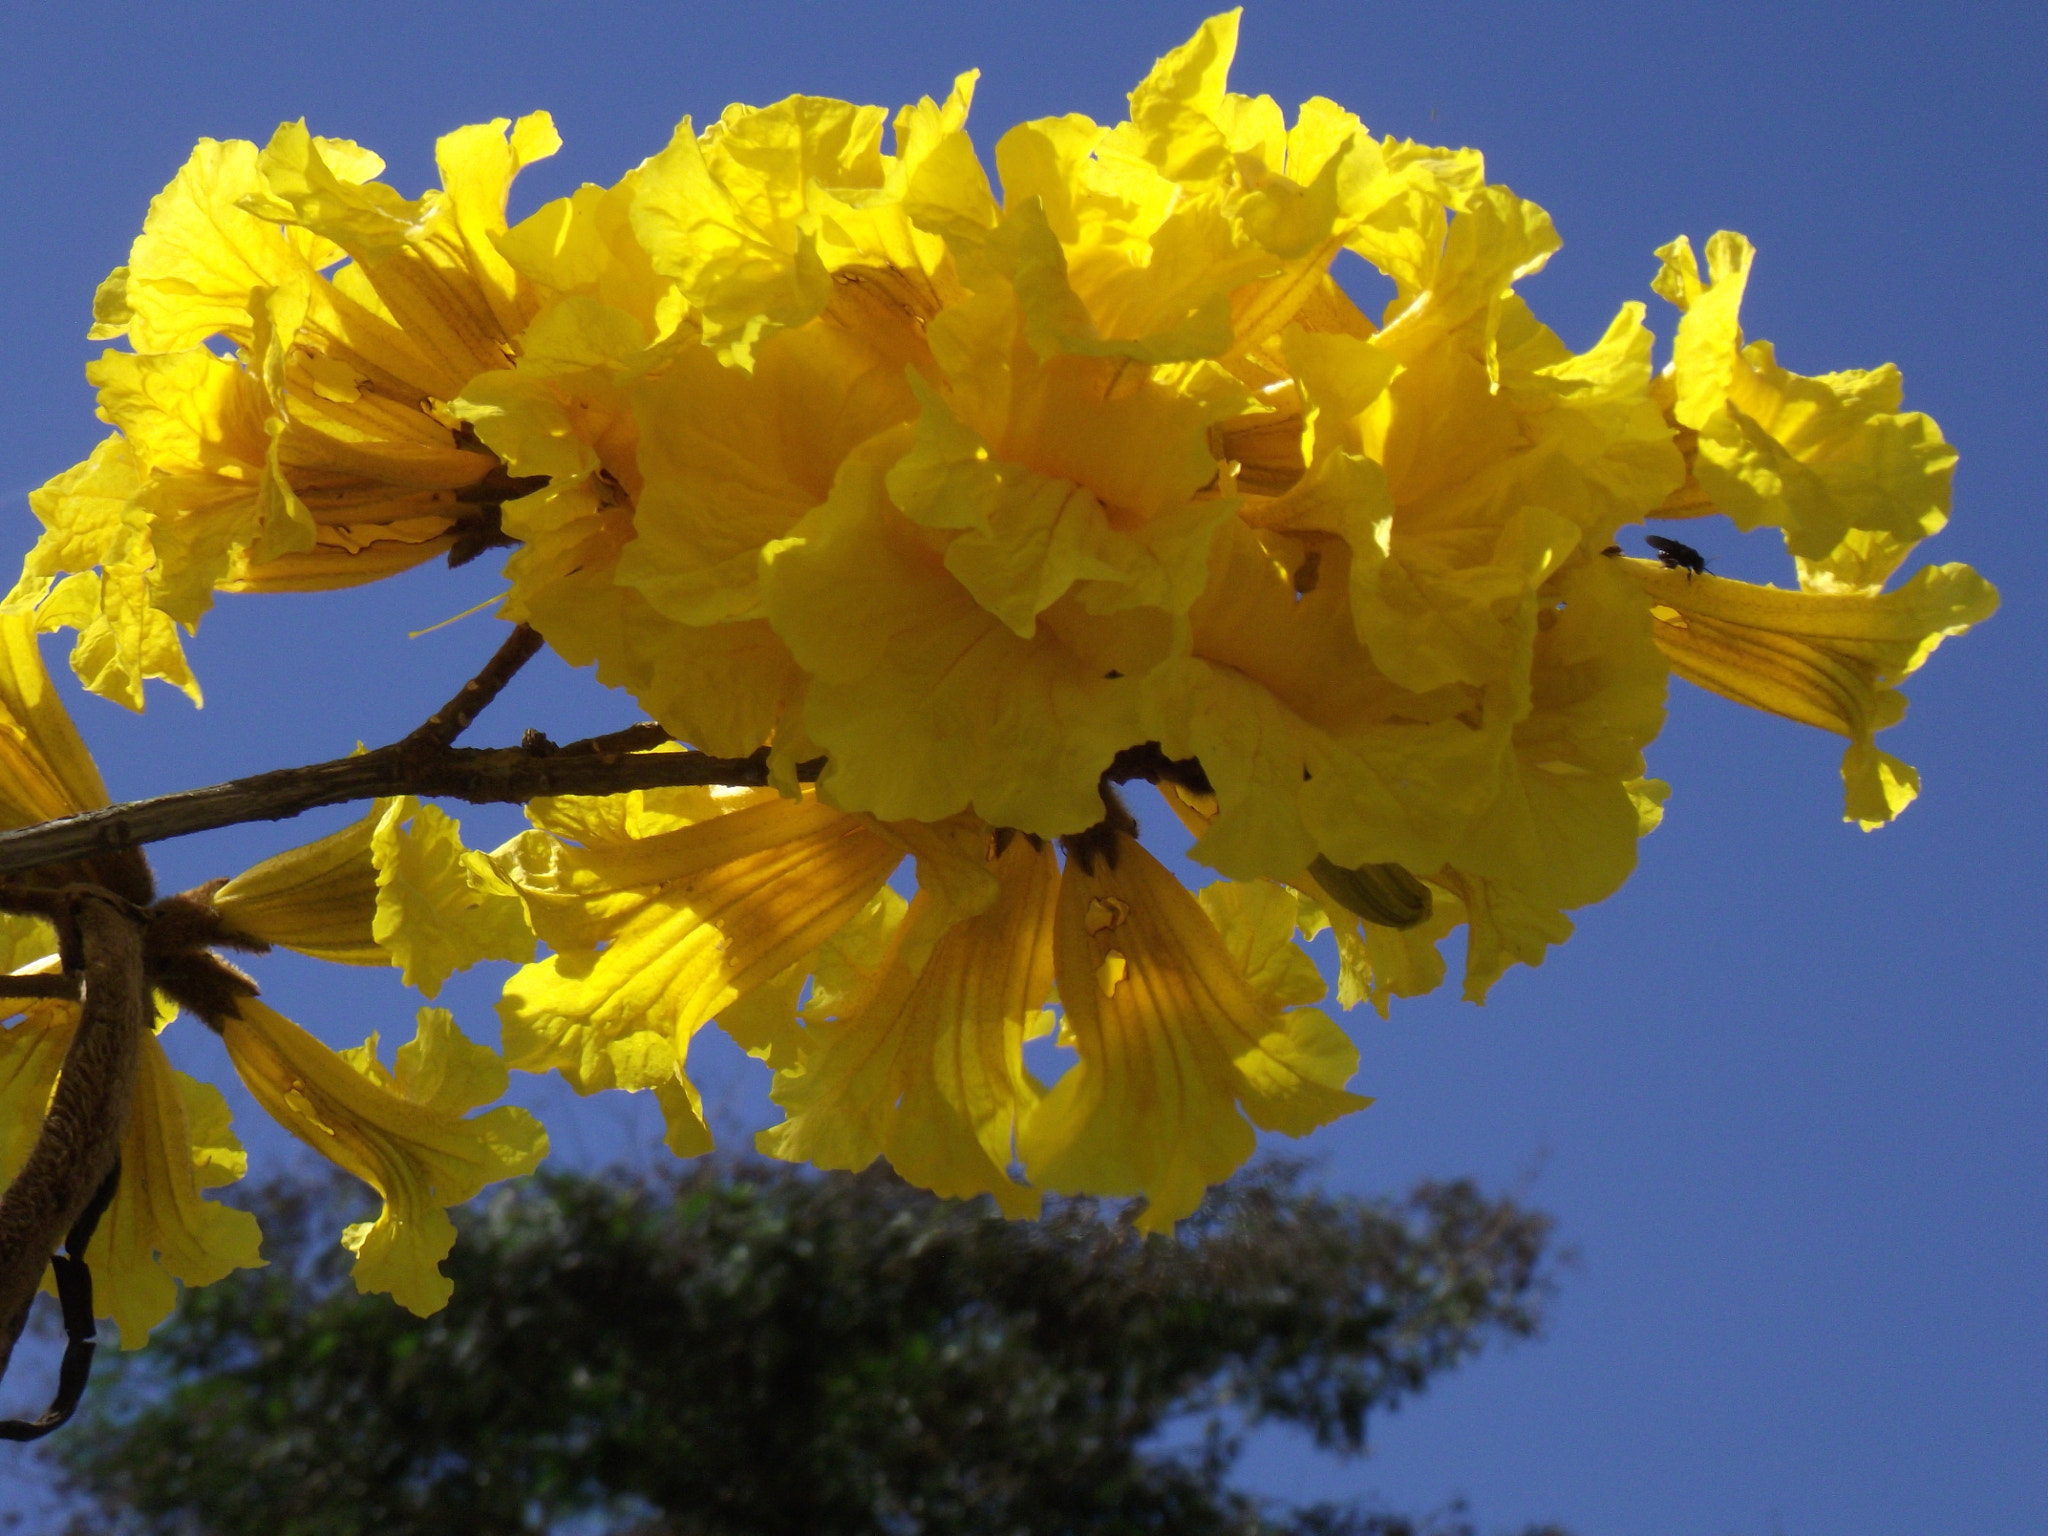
656 935
402 1132
923 1061
1832 659
158 1229
1189 1021
395 888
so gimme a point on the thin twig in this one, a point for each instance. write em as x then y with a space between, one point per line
479 775
474 697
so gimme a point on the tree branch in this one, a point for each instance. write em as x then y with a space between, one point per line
479 775
474 697
81 1136
45 984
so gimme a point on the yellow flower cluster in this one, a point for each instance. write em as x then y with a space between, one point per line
981 500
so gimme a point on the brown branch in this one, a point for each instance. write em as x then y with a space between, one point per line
46 984
480 775
81 1136
634 738
474 697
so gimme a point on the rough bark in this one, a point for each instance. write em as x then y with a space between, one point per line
81 1136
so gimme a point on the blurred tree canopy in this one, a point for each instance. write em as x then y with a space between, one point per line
737 1347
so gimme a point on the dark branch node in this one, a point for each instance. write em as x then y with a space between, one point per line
634 738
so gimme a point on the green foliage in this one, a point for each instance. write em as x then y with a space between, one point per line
745 1348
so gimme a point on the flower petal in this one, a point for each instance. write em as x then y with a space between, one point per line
440 908
158 1228
319 899
1830 460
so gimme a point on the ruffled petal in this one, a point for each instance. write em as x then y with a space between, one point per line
1853 481
440 907
927 704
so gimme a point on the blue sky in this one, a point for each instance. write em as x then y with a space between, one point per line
1782 1091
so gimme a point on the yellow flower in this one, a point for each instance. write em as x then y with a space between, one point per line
654 935
158 1229
821 449
667 473
1831 659
1853 483
1831 461
45 770
440 908
395 888
1185 1032
403 1133
319 899
925 703
922 1062
322 455
756 216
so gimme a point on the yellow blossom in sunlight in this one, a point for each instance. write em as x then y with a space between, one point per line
1188 1019
395 888
45 770
922 1062
756 216
158 1229
319 899
657 934
401 1131
1853 484
1831 659
321 453
440 908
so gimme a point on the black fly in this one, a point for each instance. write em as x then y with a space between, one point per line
1676 556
